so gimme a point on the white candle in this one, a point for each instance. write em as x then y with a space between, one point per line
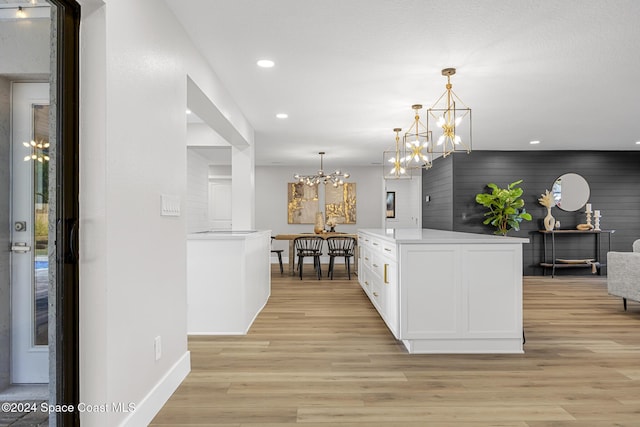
596 213
588 208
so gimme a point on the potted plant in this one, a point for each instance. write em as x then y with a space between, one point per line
506 207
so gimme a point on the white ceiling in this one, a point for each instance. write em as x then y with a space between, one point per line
566 72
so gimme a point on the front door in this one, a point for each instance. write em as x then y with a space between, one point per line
30 177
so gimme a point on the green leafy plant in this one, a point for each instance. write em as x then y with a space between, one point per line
506 207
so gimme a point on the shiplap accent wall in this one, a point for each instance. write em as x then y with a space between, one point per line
197 209
437 185
613 177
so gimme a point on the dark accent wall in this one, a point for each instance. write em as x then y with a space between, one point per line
437 185
613 177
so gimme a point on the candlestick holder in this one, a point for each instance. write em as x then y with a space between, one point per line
588 217
596 217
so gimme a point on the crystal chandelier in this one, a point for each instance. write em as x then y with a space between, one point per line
417 141
453 118
335 178
393 160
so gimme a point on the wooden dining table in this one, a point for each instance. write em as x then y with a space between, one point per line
292 253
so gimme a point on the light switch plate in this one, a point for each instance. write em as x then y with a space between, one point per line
170 205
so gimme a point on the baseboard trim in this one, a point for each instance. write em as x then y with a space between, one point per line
240 332
151 404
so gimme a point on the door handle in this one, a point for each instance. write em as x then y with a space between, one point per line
20 247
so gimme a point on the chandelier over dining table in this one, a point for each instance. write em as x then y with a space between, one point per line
335 178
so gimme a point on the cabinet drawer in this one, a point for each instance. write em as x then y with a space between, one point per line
389 249
364 240
365 256
376 244
365 280
377 266
376 296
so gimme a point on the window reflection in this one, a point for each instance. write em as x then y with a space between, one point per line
41 225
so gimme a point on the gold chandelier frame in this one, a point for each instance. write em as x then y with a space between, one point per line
450 114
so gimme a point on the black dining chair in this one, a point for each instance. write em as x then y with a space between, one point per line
279 253
309 247
341 247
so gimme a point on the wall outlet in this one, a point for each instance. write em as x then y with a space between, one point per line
157 343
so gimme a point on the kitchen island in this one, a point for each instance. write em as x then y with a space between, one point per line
228 280
445 292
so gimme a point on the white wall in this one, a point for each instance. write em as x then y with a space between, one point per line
25 47
197 204
408 203
271 201
135 59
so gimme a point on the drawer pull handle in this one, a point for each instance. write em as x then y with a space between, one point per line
375 265
375 244
366 283
387 249
367 258
375 294
386 279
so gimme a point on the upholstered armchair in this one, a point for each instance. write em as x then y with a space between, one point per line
623 274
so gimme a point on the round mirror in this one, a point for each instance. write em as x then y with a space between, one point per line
570 192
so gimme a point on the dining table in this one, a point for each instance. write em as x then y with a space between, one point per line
292 236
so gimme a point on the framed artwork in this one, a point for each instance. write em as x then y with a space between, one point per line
302 203
391 204
340 203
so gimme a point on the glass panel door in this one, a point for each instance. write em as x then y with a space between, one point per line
30 247
40 159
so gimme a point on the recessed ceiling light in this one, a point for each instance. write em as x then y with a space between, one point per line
534 142
265 63
188 111
637 142
282 115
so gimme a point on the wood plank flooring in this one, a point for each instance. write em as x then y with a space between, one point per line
319 355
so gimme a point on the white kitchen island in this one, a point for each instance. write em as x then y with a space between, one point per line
228 280
445 292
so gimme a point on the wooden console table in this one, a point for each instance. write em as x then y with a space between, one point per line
553 261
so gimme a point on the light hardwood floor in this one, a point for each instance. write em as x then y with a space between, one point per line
319 355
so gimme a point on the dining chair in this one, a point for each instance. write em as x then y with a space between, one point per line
309 247
341 247
279 253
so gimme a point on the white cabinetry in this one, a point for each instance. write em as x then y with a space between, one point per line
440 291
378 275
228 280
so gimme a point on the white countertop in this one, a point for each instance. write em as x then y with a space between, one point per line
427 235
226 234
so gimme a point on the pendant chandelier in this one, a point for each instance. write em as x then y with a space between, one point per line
417 141
451 118
39 151
336 178
393 160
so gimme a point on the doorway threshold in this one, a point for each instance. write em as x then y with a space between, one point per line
20 392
